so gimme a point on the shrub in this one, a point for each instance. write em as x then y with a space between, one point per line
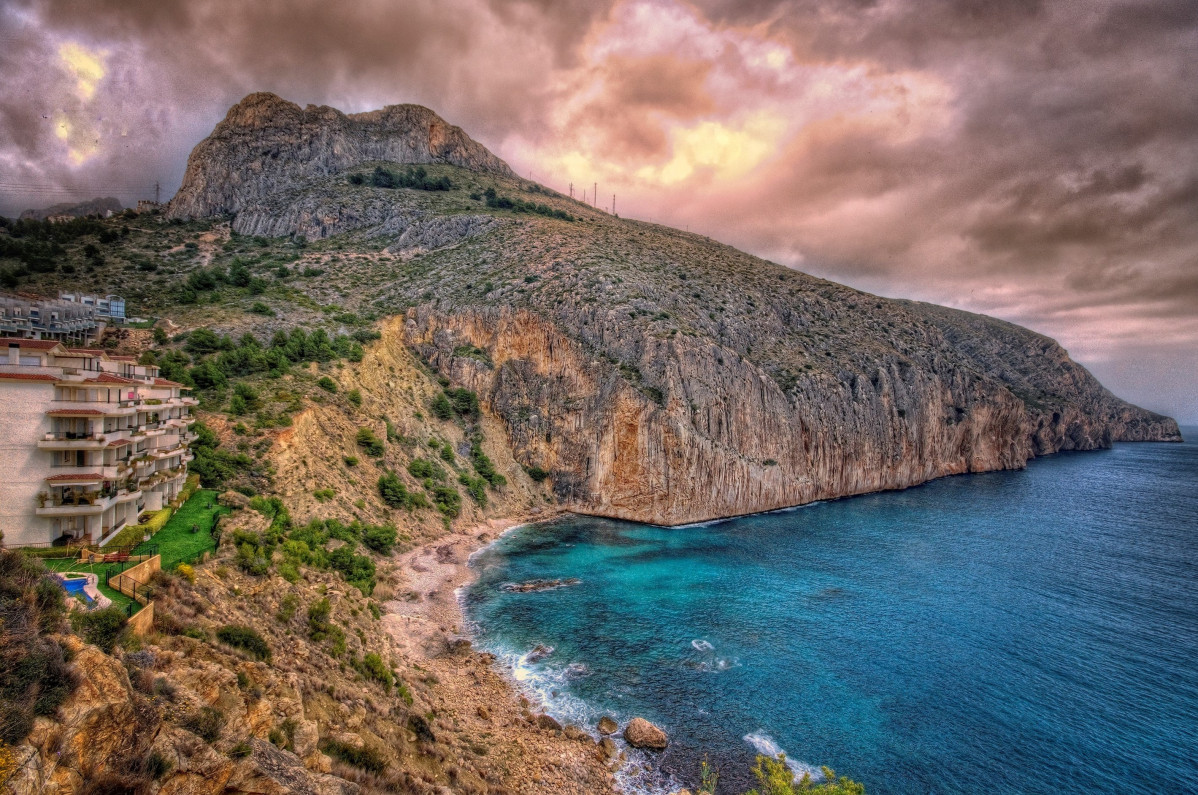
396 495
464 401
327 384
373 668
318 619
246 639
287 608
447 453
101 628
372 444
775 778
354 396
484 466
259 308
207 723
367 758
476 488
186 572
537 473
422 468
441 408
324 495
351 460
380 538
447 500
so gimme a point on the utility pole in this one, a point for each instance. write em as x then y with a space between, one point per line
571 190
595 196
613 204
156 188
584 196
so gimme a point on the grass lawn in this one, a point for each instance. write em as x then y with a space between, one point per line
176 542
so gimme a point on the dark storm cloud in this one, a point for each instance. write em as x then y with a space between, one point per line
1030 159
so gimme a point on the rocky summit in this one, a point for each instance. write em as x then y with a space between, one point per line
654 375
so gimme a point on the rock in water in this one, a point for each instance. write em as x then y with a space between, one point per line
607 725
640 733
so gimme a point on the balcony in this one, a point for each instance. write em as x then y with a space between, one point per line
73 441
115 408
89 503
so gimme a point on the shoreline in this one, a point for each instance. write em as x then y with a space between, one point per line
476 704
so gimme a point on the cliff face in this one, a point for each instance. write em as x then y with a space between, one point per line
656 375
266 144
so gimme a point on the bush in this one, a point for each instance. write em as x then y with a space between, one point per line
324 495
464 401
447 453
246 639
351 460
537 473
259 308
447 500
327 384
775 778
422 468
207 723
101 628
372 444
373 668
354 396
380 538
318 619
476 488
367 758
484 466
441 408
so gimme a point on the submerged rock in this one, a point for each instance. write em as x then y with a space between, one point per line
540 585
640 733
607 725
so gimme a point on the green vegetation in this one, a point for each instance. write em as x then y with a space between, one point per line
101 628
35 677
372 444
207 723
372 667
775 778
246 639
366 757
498 202
416 178
185 537
327 384
396 495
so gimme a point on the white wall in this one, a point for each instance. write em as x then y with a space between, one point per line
23 467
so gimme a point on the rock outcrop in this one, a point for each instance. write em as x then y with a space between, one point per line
640 733
266 144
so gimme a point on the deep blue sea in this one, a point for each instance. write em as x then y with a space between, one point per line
1013 632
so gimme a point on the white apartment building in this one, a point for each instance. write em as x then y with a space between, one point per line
88 442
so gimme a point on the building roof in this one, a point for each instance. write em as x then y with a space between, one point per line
122 358
109 378
28 377
80 476
33 345
165 382
119 443
86 351
75 413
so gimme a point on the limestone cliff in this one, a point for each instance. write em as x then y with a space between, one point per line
266 144
656 375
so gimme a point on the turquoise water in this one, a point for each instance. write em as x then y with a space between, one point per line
1031 631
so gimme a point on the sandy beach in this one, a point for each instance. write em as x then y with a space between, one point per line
475 702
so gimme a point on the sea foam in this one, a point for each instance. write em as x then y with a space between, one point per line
764 744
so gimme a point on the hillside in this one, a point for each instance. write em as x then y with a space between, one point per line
655 375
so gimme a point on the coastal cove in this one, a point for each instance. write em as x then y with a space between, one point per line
1012 631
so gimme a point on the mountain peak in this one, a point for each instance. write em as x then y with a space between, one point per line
266 143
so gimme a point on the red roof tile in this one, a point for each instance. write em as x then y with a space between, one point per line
75 413
80 476
119 443
165 382
86 351
33 345
28 377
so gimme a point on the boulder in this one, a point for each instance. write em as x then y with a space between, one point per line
548 723
640 733
607 725
233 499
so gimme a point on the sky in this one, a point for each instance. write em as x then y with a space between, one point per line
1028 159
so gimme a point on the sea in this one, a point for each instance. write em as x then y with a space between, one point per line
1032 631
